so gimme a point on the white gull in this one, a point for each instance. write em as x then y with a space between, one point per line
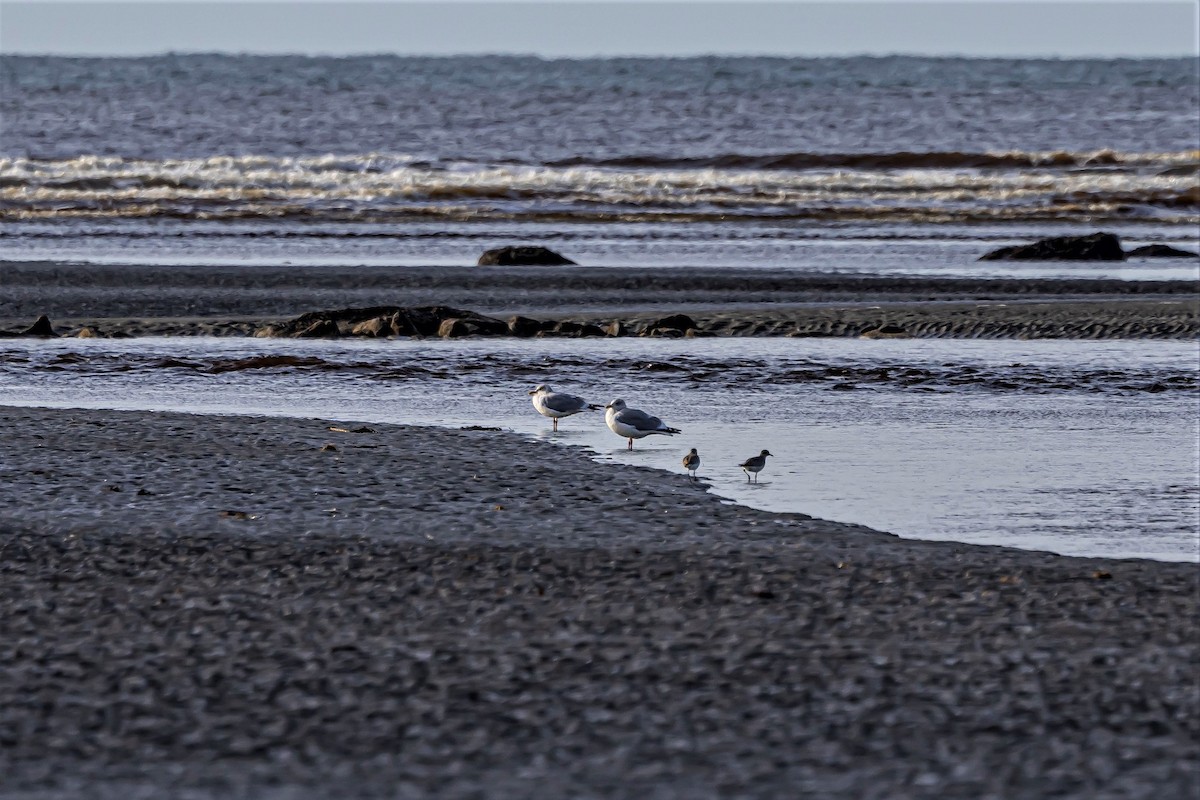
634 424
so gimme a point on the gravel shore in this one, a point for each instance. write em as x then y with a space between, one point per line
217 607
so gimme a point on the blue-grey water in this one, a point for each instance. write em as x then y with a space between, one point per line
1077 447
292 148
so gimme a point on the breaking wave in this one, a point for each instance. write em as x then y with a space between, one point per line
947 186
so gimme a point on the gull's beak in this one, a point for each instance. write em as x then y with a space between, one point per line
534 391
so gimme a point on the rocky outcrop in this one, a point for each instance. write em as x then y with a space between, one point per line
523 256
616 328
385 321
577 330
886 332
319 329
40 328
471 324
675 325
1161 251
1096 247
524 327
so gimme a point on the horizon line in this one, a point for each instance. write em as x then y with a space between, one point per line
606 56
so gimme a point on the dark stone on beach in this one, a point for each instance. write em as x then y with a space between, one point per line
40 328
524 327
429 321
523 256
383 321
886 332
1161 251
671 327
319 329
454 328
578 329
679 322
664 333
1096 247
593 330
376 326
471 325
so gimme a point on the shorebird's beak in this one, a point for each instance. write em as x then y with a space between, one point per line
534 391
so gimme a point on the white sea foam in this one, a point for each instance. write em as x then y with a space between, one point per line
391 186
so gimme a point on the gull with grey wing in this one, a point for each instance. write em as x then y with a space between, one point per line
632 423
557 405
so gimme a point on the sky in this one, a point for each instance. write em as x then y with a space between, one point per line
583 28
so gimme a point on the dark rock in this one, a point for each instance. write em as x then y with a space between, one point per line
40 328
428 321
886 332
578 329
666 333
524 326
679 322
318 329
522 256
1096 247
383 321
471 324
376 326
453 328
1161 251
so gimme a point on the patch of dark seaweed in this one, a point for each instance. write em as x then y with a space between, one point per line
412 373
274 362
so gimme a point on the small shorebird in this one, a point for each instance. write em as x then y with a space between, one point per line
634 424
691 462
755 465
556 405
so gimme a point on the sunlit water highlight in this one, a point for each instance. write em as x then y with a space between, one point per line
1080 448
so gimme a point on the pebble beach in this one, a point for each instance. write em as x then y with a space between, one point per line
225 606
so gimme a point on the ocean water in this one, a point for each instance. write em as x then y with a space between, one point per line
1076 447
863 166
439 154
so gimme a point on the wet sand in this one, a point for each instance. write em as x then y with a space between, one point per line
226 607
187 300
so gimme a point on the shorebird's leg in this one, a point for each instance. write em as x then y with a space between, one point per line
555 419
630 442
